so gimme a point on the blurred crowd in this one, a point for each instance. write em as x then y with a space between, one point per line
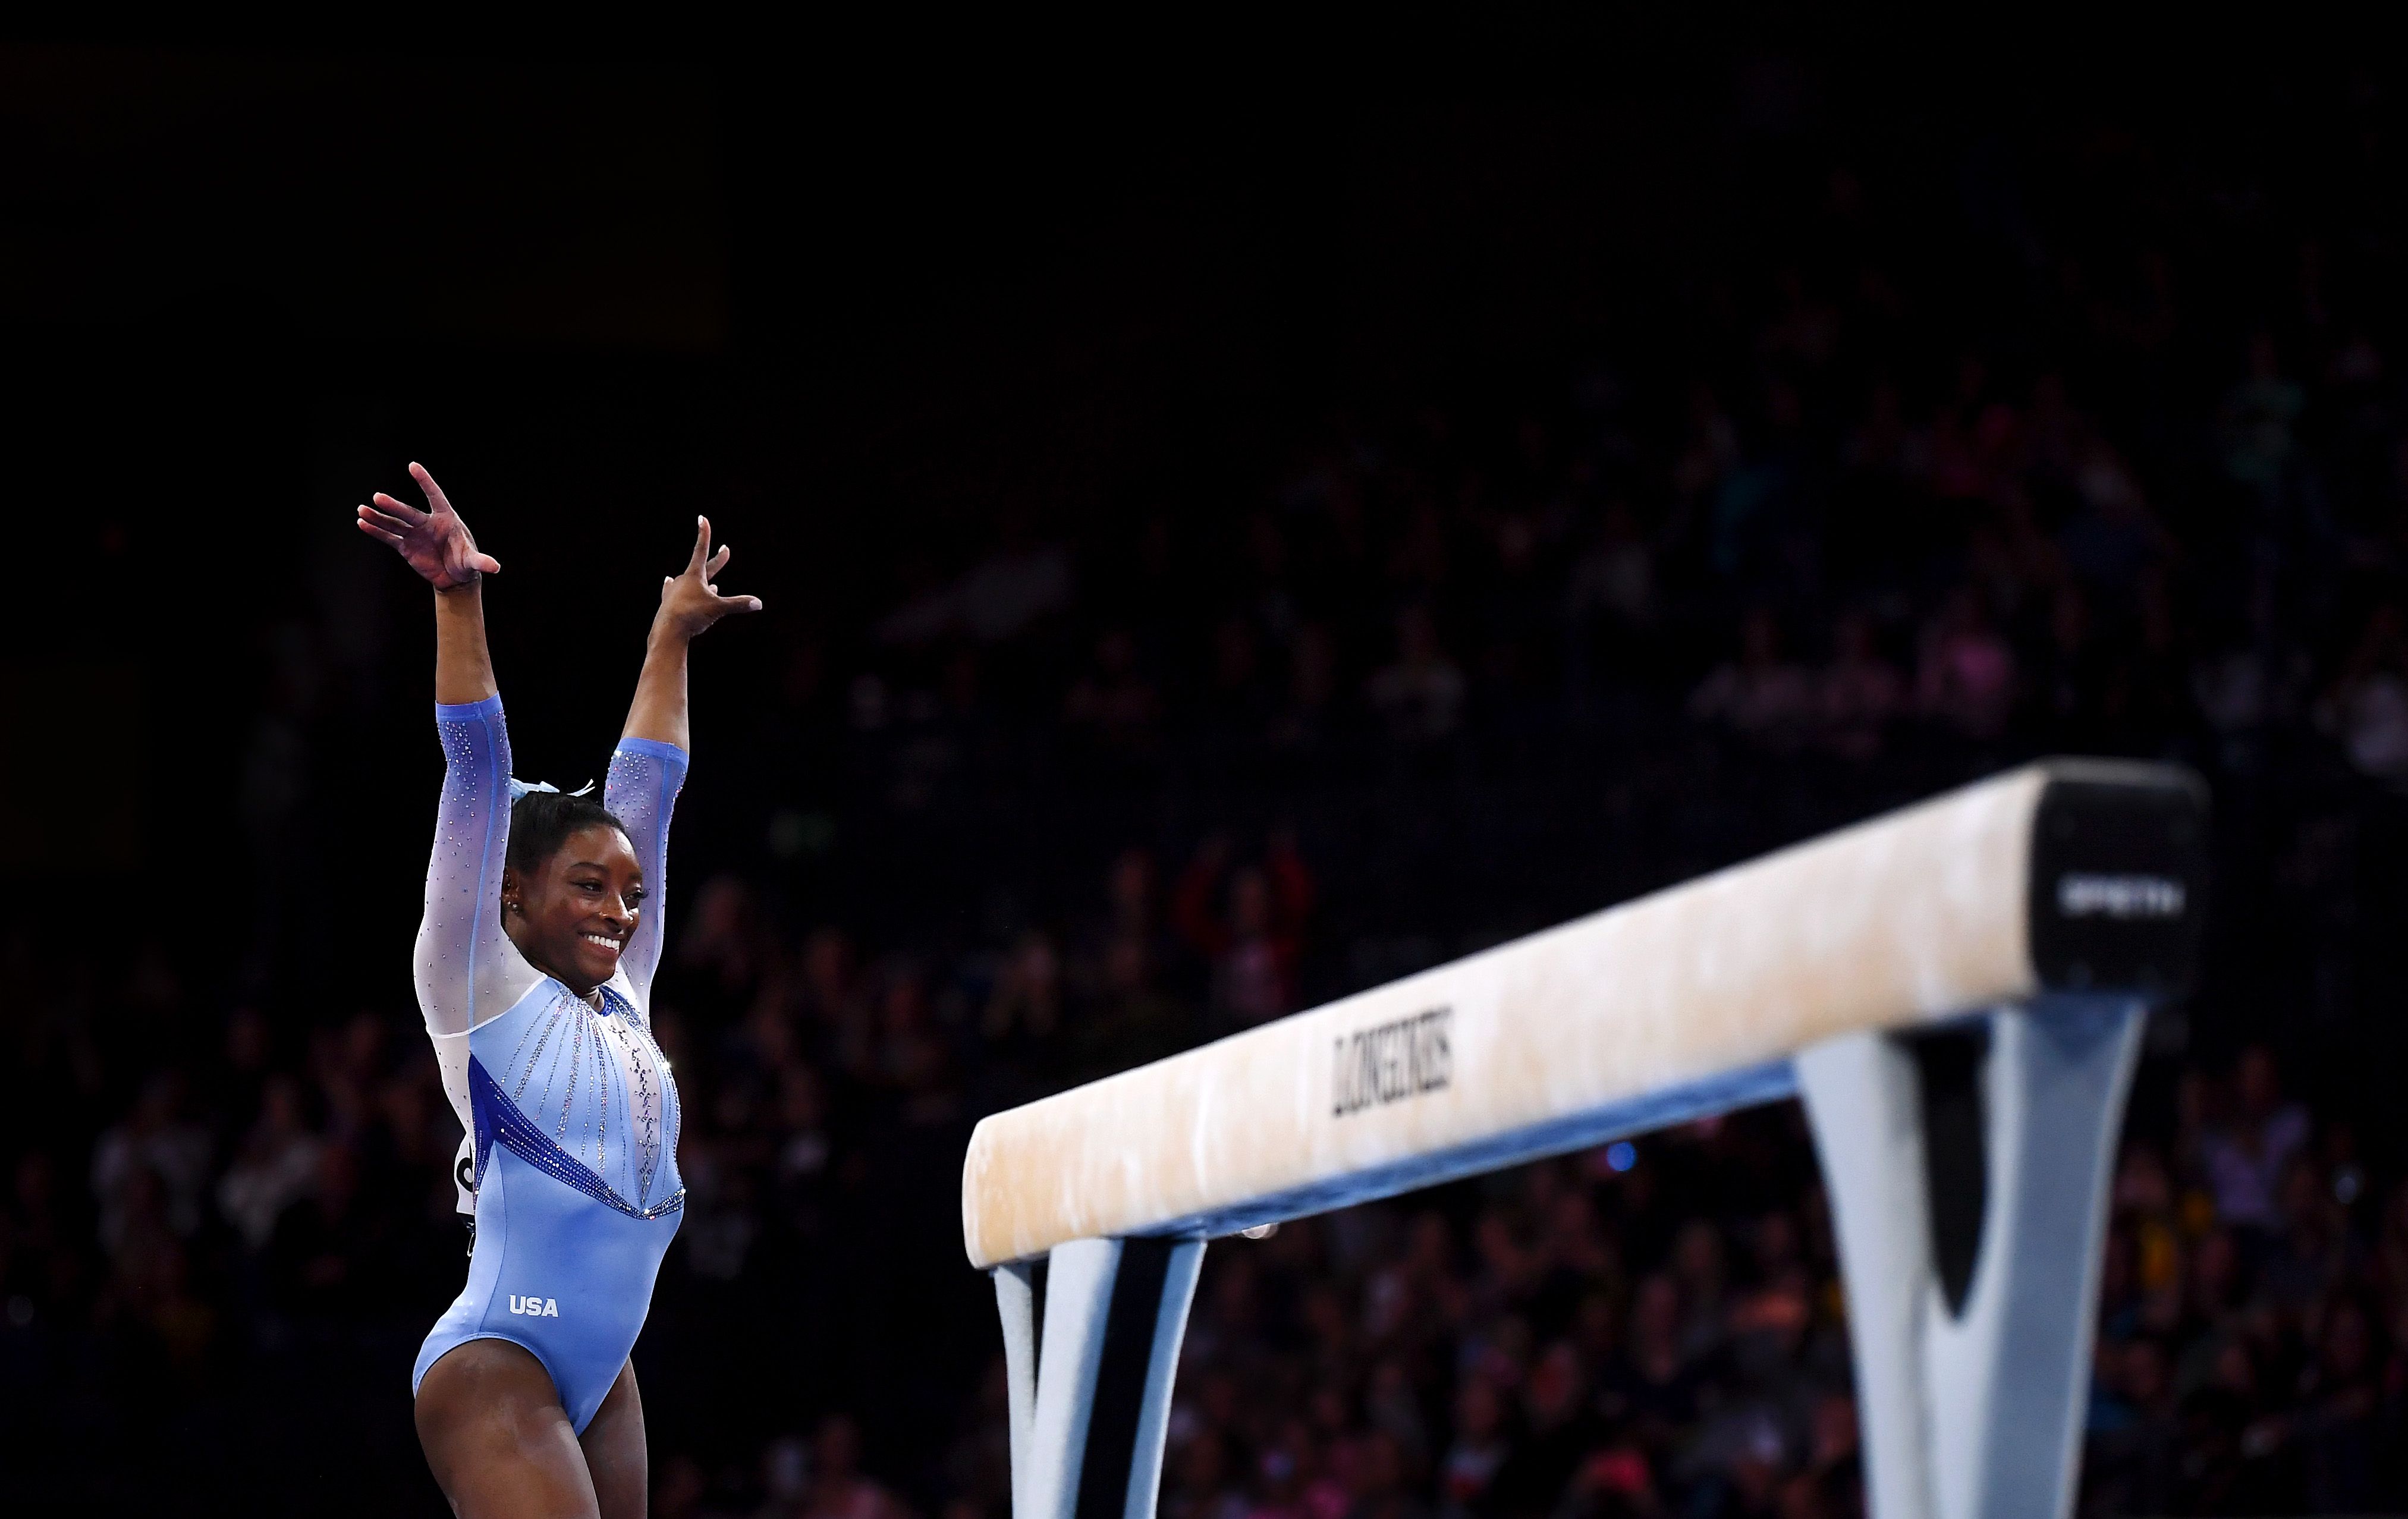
1455 667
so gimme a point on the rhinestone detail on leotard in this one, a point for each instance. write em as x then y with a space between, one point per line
609 1046
500 1119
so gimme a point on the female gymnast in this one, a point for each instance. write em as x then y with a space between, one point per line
534 969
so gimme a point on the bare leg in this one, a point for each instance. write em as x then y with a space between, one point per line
497 1439
615 1452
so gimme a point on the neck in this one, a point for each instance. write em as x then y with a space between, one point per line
588 992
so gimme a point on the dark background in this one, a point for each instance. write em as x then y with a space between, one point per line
887 332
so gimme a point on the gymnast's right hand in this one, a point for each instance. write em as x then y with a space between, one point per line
435 542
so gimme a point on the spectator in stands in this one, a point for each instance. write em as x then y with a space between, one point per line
1419 695
839 1489
1468 1475
275 1167
1615 580
2367 708
1859 694
1303 724
328 1256
1025 1005
2114 539
156 1153
1114 703
1759 695
1253 942
1967 674
2246 1156
2258 416
2255 685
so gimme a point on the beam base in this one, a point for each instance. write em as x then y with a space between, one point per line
1968 1172
1091 1339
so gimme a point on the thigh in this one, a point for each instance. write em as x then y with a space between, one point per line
615 1452
497 1439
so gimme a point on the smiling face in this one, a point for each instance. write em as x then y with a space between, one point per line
573 915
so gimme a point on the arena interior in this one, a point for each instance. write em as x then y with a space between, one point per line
1225 548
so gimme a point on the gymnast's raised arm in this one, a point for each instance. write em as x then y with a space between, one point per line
437 545
466 964
651 762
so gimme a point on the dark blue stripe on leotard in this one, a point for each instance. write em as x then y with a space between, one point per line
498 1118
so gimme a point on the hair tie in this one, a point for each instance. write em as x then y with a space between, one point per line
521 788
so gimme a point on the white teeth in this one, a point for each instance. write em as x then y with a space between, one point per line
610 944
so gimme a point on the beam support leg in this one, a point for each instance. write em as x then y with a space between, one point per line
1015 1299
1967 1170
1091 1346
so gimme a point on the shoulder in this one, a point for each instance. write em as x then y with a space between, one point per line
506 982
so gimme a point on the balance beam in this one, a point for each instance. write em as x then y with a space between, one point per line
2062 897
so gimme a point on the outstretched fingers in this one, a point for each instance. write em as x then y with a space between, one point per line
434 542
711 575
690 597
435 500
401 513
393 530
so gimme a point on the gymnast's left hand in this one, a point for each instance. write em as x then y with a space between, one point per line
690 601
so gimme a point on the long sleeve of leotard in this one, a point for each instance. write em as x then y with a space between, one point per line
640 792
468 970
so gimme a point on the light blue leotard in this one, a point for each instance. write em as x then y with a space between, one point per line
570 1112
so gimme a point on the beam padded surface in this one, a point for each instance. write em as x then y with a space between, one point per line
1550 1039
